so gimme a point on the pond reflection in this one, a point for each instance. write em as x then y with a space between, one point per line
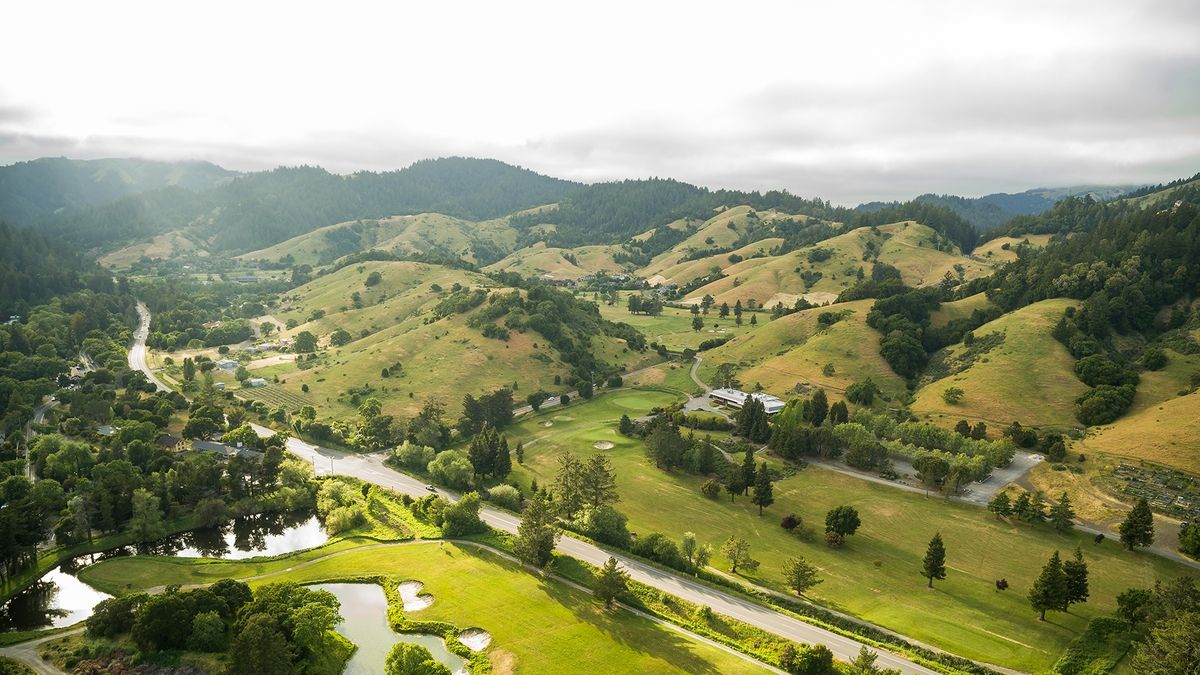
60 599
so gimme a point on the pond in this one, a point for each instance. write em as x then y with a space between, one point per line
364 622
60 599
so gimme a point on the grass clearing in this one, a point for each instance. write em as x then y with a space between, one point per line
795 350
673 327
537 624
1029 378
877 575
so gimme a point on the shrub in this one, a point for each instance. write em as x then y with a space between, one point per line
834 540
208 633
452 468
344 518
413 456
790 522
606 525
711 488
507 496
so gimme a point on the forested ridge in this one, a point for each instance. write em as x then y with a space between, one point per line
260 209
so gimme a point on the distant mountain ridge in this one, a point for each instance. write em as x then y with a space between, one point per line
32 191
993 210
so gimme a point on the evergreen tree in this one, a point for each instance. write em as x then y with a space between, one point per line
733 483
763 492
1061 514
537 534
1020 505
1049 591
818 408
753 319
599 482
934 565
625 426
760 432
481 452
610 582
839 413
748 471
502 459
1075 571
568 486
1138 528
520 452
1000 505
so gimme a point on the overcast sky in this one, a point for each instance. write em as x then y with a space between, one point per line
850 101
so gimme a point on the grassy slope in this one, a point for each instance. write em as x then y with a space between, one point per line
538 260
685 271
908 246
795 349
422 233
673 327
720 231
993 250
958 309
537 625
1167 433
445 359
877 575
165 245
1029 378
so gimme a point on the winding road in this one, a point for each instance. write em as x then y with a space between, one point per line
370 468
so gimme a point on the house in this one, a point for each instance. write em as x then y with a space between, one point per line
227 364
736 399
169 442
267 346
218 385
256 382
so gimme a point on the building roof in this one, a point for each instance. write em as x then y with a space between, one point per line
772 404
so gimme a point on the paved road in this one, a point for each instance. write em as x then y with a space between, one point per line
27 653
137 351
370 468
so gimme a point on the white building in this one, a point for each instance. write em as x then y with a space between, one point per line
256 382
227 364
736 399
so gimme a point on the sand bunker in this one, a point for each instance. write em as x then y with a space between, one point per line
476 639
602 445
547 423
410 593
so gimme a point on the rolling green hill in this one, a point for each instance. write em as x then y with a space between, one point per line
795 350
559 264
1026 377
820 272
425 234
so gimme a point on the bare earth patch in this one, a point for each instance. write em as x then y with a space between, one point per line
603 445
410 594
476 639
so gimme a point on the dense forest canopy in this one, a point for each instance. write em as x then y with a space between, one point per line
32 191
261 209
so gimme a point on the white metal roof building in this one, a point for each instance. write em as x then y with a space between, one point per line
736 399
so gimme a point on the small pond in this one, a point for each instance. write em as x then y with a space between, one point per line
364 622
60 599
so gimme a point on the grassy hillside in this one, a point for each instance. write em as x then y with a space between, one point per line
664 269
426 233
673 328
877 574
539 260
1168 433
444 358
1029 377
994 251
161 246
958 309
795 350
822 271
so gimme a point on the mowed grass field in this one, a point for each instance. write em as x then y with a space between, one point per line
673 328
1030 378
877 574
538 625
795 349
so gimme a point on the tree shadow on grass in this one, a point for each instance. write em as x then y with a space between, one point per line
631 631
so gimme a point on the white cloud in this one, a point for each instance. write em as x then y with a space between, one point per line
850 101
